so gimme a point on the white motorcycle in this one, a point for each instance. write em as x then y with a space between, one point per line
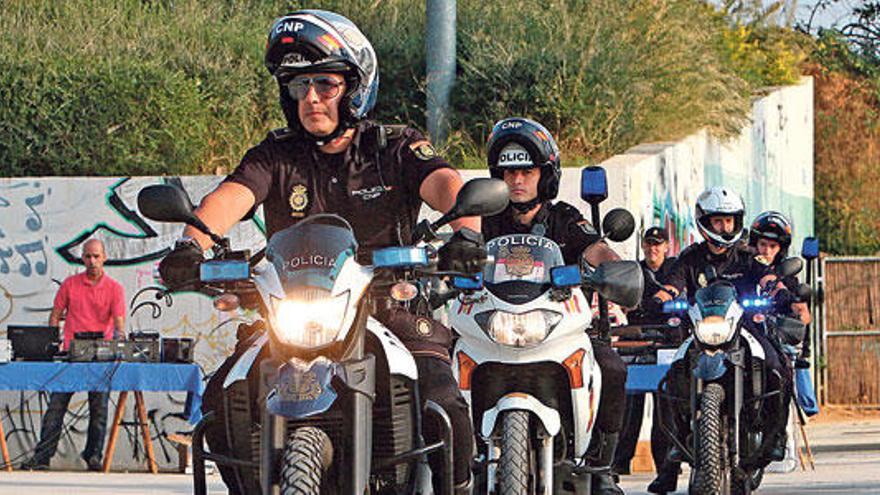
338 402
525 364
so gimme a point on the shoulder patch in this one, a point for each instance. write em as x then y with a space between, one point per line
568 210
423 150
394 131
280 134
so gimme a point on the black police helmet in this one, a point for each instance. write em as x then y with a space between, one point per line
774 226
537 142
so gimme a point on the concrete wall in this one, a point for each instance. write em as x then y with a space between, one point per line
43 222
770 163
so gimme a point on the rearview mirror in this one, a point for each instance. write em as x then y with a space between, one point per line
621 282
804 292
478 197
166 203
618 225
790 267
594 185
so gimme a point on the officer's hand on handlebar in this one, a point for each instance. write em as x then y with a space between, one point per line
181 265
665 294
465 252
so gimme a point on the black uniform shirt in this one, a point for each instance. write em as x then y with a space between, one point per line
374 188
736 265
562 223
654 279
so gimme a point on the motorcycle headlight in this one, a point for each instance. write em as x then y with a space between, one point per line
714 330
311 321
519 330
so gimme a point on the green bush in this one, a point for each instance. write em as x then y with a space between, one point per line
150 86
78 117
603 75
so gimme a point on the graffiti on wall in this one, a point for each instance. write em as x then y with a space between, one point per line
43 225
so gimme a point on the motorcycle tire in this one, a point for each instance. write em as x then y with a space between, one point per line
307 456
712 473
516 465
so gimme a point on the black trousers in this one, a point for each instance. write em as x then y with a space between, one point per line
51 428
613 397
437 384
629 437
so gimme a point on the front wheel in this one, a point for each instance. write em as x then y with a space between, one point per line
307 456
712 473
516 465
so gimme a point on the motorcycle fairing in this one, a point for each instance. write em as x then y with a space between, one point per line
246 361
681 352
400 361
567 337
754 346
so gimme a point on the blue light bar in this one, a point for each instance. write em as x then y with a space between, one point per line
224 271
566 276
468 283
675 306
759 302
399 257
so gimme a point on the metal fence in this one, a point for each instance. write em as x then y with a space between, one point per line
846 339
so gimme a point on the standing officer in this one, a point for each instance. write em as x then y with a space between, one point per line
331 159
524 154
655 266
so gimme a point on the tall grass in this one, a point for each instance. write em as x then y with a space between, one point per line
178 86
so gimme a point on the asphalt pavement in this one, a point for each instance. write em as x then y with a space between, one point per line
847 458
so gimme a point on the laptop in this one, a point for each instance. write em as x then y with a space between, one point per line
33 342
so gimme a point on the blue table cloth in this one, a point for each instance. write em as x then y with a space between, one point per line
108 376
641 378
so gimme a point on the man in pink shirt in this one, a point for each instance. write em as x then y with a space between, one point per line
92 302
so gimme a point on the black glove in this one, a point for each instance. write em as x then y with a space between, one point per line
465 252
181 265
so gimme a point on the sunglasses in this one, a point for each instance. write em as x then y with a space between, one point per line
325 86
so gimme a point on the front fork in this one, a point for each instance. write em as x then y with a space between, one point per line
360 384
736 357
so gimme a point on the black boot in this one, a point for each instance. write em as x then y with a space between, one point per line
600 456
464 488
777 447
666 480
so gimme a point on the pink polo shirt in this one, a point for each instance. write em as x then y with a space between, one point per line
90 307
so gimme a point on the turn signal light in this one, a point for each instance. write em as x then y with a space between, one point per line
466 367
575 366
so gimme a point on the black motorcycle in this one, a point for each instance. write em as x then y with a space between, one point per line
724 405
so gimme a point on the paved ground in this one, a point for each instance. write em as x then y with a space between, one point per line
847 462
847 458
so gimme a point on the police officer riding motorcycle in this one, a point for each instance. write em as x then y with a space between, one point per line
525 155
332 159
723 257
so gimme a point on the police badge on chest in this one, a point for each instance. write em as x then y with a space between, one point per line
299 200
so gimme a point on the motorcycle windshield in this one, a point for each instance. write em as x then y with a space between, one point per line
715 299
311 253
521 268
